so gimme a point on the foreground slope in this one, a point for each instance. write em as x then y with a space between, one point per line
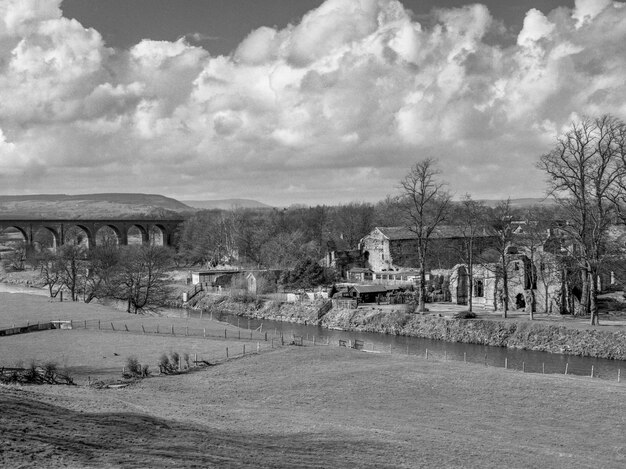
321 407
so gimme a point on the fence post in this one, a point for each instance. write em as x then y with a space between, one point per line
506 363
71 324
266 336
204 333
244 349
485 359
272 343
523 367
618 374
426 354
112 326
126 327
566 365
464 357
157 329
172 329
592 371
98 324
224 332
85 324
143 329
187 330
226 352
195 357
239 334
201 313
258 347
543 368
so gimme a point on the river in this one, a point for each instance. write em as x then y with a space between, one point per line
522 360
526 360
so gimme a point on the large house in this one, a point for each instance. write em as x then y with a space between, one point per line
395 248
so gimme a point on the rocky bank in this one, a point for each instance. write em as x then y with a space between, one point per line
537 336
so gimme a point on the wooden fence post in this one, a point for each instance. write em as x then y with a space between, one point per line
506 363
85 324
226 352
258 347
172 329
143 329
224 333
204 333
244 349
592 371
265 336
98 324
464 357
112 326
126 327
566 365
618 374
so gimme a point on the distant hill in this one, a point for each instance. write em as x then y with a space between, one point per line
225 204
524 202
90 206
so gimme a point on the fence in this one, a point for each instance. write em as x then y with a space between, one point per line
276 338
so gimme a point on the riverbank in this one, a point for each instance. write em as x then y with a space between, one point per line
554 336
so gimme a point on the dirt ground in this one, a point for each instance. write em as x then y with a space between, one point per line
291 407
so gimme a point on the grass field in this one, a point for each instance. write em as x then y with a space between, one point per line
306 407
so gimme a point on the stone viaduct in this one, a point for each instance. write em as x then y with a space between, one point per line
121 227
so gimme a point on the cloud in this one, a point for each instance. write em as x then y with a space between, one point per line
334 107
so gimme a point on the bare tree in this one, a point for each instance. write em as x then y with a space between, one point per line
141 280
501 227
472 219
425 205
584 170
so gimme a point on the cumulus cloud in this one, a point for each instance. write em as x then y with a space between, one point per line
334 107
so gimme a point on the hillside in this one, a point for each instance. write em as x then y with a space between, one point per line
225 204
90 206
524 202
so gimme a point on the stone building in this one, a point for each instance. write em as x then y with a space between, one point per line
395 248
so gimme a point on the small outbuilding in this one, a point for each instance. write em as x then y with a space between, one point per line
367 293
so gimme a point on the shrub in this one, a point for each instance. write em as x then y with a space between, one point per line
174 360
145 372
186 358
465 315
164 363
133 367
50 371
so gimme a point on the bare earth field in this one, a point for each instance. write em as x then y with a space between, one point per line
299 407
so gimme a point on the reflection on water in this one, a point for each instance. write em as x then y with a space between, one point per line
526 360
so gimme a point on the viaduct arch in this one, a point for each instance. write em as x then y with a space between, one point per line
29 228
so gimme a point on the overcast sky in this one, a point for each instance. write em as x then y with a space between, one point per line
302 101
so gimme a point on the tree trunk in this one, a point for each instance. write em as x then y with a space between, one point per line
593 299
505 293
421 299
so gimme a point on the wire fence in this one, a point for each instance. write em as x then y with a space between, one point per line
257 340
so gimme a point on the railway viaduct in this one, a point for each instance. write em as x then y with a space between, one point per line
121 227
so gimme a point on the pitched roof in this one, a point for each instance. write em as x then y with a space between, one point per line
442 231
370 288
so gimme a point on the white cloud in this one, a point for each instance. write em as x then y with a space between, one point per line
352 94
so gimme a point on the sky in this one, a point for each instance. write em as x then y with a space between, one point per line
297 102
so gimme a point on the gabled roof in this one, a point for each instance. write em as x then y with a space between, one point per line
369 288
444 231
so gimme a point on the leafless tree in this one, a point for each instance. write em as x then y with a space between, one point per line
425 205
141 280
584 171
471 220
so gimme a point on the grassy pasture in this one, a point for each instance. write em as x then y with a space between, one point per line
303 407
